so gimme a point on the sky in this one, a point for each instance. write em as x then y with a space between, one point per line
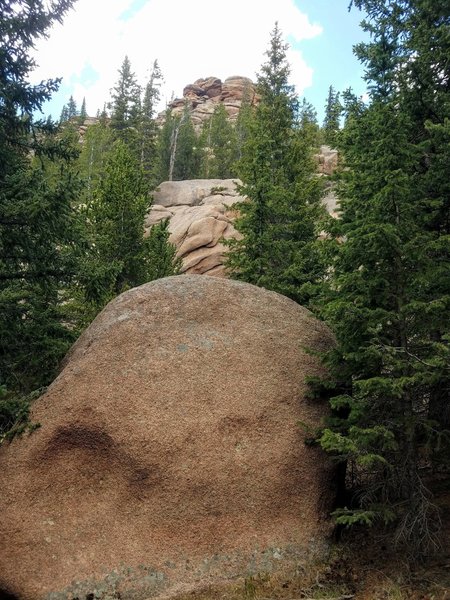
199 39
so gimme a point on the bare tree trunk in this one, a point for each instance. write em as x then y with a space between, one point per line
173 144
173 150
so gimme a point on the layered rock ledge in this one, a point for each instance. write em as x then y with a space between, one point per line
201 216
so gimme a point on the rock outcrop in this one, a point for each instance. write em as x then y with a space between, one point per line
201 216
169 455
327 162
204 95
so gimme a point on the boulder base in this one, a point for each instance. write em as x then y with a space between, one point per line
169 455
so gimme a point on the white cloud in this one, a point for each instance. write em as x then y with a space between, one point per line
190 40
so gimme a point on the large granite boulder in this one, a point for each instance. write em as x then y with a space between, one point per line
201 217
169 455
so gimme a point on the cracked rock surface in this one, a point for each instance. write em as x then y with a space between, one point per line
201 216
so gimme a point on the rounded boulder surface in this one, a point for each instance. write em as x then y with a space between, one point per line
170 455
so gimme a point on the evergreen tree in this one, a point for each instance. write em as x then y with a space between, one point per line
149 127
64 114
97 144
179 148
72 110
278 224
308 124
37 225
118 211
125 107
186 152
219 143
160 254
308 114
389 299
333 110
121 257
83 112
242 127
165 146
69 111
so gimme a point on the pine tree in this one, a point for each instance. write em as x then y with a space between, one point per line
97 144
186 151
333 110
72 110
160 254
219 142
69 111
121 256
242 127
118 212
278 223
390 295
37 225
308 124
179 148
165 146
125 107
64 114
148 126
83 112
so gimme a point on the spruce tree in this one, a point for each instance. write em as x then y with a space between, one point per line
97 144
186 152
83 112
178 147
389 297
37 223
219 143
72 110
64 114
125 107
165 146
242 127
279 222
160 255
333 110
148 128
118 211
121 257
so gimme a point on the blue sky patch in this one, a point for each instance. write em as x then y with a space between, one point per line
133 8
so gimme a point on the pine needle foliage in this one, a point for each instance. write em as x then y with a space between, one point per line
37 223
279 222
121 258
388 299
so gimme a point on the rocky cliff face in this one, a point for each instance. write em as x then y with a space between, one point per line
204 95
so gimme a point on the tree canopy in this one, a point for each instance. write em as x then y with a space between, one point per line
279 223
389 296
37 224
